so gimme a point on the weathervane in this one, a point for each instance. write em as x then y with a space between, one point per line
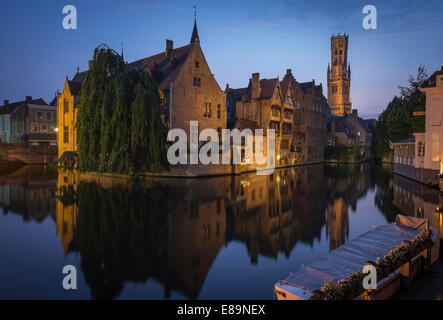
195 11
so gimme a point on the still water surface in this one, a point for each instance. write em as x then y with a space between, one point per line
214 238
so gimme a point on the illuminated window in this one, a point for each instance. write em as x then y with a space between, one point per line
44 128
34 127
39 115
207 113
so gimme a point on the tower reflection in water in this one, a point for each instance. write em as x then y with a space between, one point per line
173 230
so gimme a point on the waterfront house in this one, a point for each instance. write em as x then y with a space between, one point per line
297 113
34 124
5 116
420 157
187 88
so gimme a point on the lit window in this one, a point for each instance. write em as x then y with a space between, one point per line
207 112
39 115
34 127
44 128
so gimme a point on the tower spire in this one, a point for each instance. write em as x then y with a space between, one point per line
194 36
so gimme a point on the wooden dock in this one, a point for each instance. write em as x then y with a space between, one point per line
426 286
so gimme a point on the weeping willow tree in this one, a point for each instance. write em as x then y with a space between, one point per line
119 125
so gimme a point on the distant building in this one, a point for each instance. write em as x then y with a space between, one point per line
420 157
5 116
339 77
34 124
352 131
313 122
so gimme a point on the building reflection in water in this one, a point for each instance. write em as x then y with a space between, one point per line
27 191
173 230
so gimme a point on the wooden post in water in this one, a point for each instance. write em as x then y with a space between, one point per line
406 271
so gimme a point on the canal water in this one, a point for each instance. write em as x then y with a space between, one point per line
209 238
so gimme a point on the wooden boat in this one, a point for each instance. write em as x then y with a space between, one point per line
352 257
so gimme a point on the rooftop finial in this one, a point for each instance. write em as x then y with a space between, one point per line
194 36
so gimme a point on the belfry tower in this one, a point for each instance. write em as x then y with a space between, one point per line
339 77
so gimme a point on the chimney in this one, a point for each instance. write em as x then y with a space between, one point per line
90 64
5 102
28 99
441 68
255 85
169 46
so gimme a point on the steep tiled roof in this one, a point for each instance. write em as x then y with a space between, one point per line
74 87
164 68
237 94
306 85
267 88
408 140
80 76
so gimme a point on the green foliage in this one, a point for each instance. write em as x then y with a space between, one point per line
119 125
397 121
342 154
68 160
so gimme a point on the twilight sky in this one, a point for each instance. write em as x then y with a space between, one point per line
237 37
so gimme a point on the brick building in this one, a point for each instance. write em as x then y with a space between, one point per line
187 88
297 112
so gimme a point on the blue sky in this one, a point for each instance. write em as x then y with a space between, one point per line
238 38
